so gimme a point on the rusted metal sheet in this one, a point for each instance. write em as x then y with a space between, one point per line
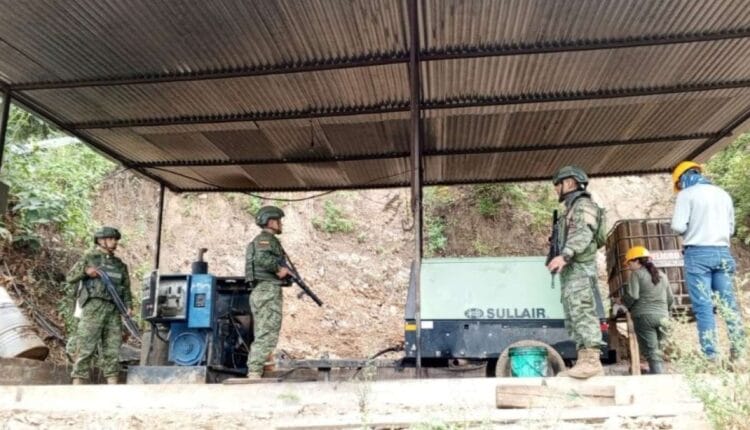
17 337
317 92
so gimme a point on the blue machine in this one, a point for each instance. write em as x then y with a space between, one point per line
208 318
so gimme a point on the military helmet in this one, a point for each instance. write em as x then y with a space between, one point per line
267 213
107 232
571 172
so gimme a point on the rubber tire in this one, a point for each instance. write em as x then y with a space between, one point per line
555 362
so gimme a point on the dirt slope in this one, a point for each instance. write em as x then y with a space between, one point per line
362 275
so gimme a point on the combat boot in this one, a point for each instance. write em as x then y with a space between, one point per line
254 376
588 364
77 381
112 380
566 372
655 367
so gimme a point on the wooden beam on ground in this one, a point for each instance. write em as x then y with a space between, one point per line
544 396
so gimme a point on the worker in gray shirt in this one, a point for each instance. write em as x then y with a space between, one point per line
704 216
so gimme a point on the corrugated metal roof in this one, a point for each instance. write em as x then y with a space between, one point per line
282 95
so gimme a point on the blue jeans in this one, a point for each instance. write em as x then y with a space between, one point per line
710 270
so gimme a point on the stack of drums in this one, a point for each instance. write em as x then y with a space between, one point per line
665 247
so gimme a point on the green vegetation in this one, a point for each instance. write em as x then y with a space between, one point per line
481 248
437 201
537 200
730 169
722 386
436 240
333 220
50 186
252 205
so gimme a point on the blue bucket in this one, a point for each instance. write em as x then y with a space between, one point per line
528 361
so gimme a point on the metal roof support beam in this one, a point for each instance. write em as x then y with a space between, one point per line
430 153
4 117
449 53
454 103
403 184
416 170
159 220
725 132
31 106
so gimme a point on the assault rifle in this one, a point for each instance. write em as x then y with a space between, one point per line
554 247
129 323
295 278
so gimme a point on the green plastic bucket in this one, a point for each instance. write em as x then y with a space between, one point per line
528 361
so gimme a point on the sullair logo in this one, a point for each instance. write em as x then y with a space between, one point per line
474 313
505 313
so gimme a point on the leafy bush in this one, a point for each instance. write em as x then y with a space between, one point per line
333 220
50 185
537 200
730 169
721 385
435 235
252 205
437 202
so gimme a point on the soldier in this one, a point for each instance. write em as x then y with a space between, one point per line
263 271
704 216
100 325
580 235
649 299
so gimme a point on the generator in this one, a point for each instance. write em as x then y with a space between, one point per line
207 322
475 308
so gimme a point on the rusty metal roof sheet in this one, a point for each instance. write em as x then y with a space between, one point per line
289 95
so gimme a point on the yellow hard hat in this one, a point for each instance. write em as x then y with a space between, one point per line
636 252
682 168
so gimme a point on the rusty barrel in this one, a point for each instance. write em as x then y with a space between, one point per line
17 337
664 245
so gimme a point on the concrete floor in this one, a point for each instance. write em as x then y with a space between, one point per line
468 403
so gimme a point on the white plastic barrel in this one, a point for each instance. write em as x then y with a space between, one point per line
17 337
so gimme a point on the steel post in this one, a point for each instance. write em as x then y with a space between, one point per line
159 221
416 166
4 123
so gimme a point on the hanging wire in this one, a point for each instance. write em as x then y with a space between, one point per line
314 196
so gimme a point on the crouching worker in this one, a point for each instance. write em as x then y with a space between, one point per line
649 299
262 270
100 326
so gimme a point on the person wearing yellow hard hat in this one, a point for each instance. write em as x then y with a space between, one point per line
649 299
704 216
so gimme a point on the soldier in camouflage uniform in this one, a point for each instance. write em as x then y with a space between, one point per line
100 325
262 269
578 228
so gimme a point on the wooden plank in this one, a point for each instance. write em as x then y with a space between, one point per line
543 396
635 353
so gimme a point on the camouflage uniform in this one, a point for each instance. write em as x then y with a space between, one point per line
649 305
577 227
266 300
100 325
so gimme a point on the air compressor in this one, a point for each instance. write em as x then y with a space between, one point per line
207 319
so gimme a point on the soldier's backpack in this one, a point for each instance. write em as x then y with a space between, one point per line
600 235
